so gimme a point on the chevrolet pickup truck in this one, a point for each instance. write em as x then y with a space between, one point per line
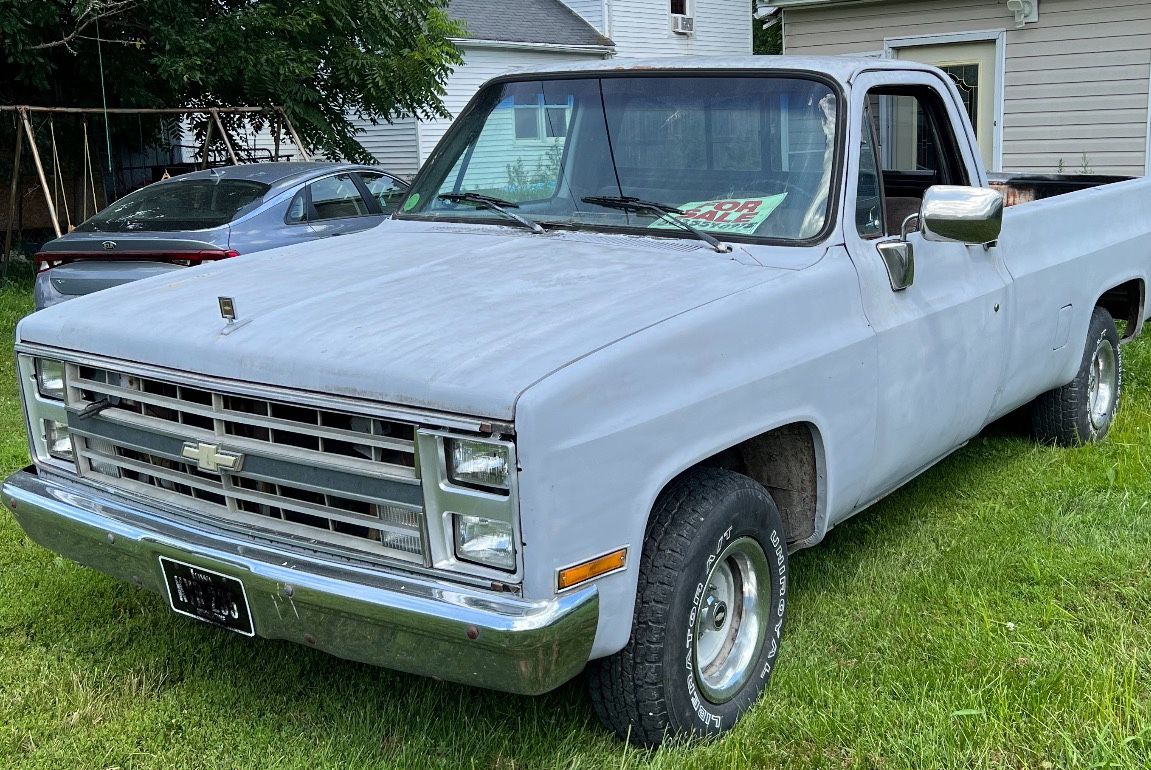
638 333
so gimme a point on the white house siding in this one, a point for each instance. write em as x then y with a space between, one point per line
642 28
592 12
394 145
1075 83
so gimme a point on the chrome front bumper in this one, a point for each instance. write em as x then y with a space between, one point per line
409 623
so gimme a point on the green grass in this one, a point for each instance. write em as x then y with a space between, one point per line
994 613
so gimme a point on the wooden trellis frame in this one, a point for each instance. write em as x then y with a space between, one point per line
24 112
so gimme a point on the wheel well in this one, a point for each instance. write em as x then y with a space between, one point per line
785 461
1125 303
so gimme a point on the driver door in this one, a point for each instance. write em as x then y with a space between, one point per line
942 341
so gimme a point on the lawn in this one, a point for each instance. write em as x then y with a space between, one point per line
995 613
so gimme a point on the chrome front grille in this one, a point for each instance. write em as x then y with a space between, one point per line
317 478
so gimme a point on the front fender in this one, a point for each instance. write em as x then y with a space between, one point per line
600 439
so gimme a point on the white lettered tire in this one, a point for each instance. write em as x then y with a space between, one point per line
708 616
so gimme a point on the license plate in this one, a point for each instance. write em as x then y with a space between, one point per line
208 596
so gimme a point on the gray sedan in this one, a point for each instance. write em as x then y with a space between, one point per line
209 215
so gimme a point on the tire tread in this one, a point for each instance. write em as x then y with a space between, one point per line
625 688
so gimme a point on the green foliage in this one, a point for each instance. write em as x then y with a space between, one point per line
321 59
764 39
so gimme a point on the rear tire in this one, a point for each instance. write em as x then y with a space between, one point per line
1082 411
708 614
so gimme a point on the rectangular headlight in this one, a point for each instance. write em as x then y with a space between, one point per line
484 541
50 378
57 440
42 392
477 464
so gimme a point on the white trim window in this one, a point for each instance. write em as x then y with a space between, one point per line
536 119
679 7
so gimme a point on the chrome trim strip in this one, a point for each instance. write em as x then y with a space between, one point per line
422 626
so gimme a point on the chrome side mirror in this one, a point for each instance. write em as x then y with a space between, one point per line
971 215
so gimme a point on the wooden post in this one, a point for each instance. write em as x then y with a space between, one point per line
207 144
13 201
224 136
40 172
295 139
275 137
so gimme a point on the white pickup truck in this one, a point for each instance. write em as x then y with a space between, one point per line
638 332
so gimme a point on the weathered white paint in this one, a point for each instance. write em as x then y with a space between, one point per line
1074 84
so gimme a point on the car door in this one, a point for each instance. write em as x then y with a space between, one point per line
942 341
337 205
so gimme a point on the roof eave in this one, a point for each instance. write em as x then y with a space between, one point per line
522 45
806 3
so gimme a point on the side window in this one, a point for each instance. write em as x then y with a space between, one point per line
298 209
336 197
869 218
917 148
386 190
916 138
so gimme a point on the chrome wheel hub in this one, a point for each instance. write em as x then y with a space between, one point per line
1103 384
731 620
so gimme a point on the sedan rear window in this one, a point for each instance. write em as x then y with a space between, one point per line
192 204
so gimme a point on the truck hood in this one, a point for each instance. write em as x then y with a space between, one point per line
456 318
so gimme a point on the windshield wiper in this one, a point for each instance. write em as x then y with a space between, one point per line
661 210
499 205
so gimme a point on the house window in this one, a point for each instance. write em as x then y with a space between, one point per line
536 119
679 7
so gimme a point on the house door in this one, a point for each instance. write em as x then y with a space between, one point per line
973 67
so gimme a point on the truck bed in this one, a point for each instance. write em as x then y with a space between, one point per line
1025 188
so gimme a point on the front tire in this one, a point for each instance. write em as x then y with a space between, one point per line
708 616
1082 411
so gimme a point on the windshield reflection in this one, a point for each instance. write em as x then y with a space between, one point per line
748 157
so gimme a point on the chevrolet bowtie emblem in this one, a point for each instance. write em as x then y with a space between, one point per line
209 457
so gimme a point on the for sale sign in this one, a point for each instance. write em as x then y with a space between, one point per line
738 216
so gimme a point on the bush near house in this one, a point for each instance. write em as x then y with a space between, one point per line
996 613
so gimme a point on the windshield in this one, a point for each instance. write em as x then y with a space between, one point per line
183 204
744 158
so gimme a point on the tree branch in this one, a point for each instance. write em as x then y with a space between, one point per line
88 17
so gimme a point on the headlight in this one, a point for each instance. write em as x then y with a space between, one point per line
56 440
42 391
484 541
50 378
477 463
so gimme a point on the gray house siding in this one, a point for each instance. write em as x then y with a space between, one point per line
1075 83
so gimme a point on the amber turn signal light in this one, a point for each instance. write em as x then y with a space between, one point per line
600 565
